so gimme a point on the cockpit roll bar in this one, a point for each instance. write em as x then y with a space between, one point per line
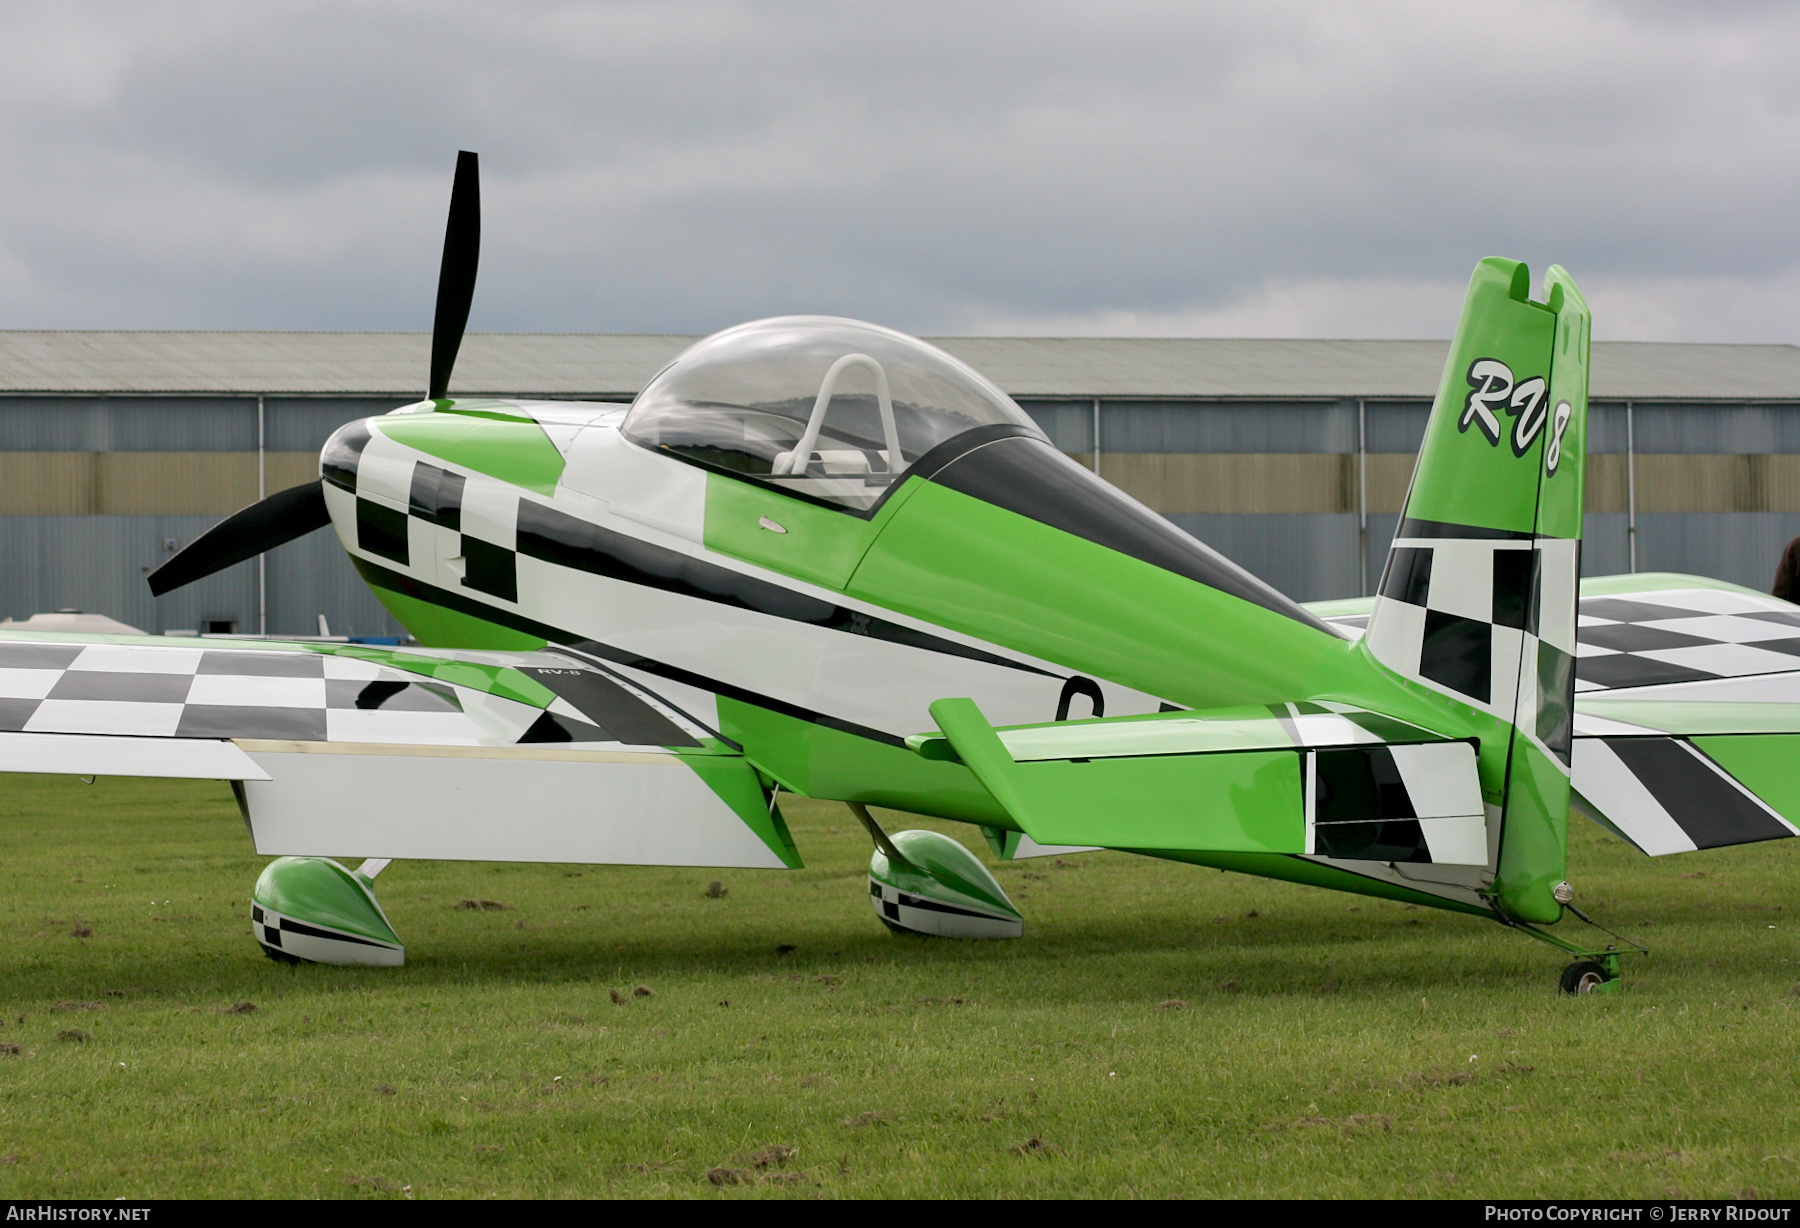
797 459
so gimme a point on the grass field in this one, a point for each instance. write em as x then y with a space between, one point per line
1160 1030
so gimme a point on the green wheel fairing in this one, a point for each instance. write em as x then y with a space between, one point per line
319 890
939 871
321 895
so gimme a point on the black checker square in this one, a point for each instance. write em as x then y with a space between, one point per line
1709 808
263 664
1358 784
1515 577
122 687
1408 575
1458 653
1556 698
1787 618
1393 840
1625 670
38 656
490 569
1631 637
381 531
242 721
15 712
1620 610
1791 646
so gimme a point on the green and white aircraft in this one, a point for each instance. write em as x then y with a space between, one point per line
822 557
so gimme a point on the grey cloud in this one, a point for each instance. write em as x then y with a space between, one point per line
679 167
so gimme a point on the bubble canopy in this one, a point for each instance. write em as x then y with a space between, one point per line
833 409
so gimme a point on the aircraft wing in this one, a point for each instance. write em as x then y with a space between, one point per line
1322 780
346 749
1687 710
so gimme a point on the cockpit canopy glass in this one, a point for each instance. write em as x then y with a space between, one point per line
830 408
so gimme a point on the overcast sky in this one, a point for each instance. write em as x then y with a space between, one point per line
1317 170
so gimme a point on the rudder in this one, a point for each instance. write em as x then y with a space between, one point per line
1477 601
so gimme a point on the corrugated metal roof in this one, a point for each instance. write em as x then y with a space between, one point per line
617 365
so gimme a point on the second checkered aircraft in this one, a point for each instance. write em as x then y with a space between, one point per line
821 557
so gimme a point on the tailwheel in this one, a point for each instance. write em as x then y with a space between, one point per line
1589 976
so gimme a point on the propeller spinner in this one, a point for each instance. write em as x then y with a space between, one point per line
299 510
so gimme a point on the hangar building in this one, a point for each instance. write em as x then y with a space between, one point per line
119 448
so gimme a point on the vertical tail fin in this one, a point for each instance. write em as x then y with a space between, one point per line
1477 601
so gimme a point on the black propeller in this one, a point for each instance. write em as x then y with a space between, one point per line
244 534
456 276
295 512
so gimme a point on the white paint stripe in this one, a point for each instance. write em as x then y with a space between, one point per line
257 692
105 716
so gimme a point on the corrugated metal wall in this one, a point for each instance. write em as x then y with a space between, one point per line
1276 485
95 492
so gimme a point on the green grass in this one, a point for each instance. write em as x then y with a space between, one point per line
1322 1045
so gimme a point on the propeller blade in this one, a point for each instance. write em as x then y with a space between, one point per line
456 277
244 534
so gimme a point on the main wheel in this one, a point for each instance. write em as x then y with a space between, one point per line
1583 976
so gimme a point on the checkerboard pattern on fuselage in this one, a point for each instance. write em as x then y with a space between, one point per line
1485 617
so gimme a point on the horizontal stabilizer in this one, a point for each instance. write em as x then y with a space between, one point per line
1666 794
1240 780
